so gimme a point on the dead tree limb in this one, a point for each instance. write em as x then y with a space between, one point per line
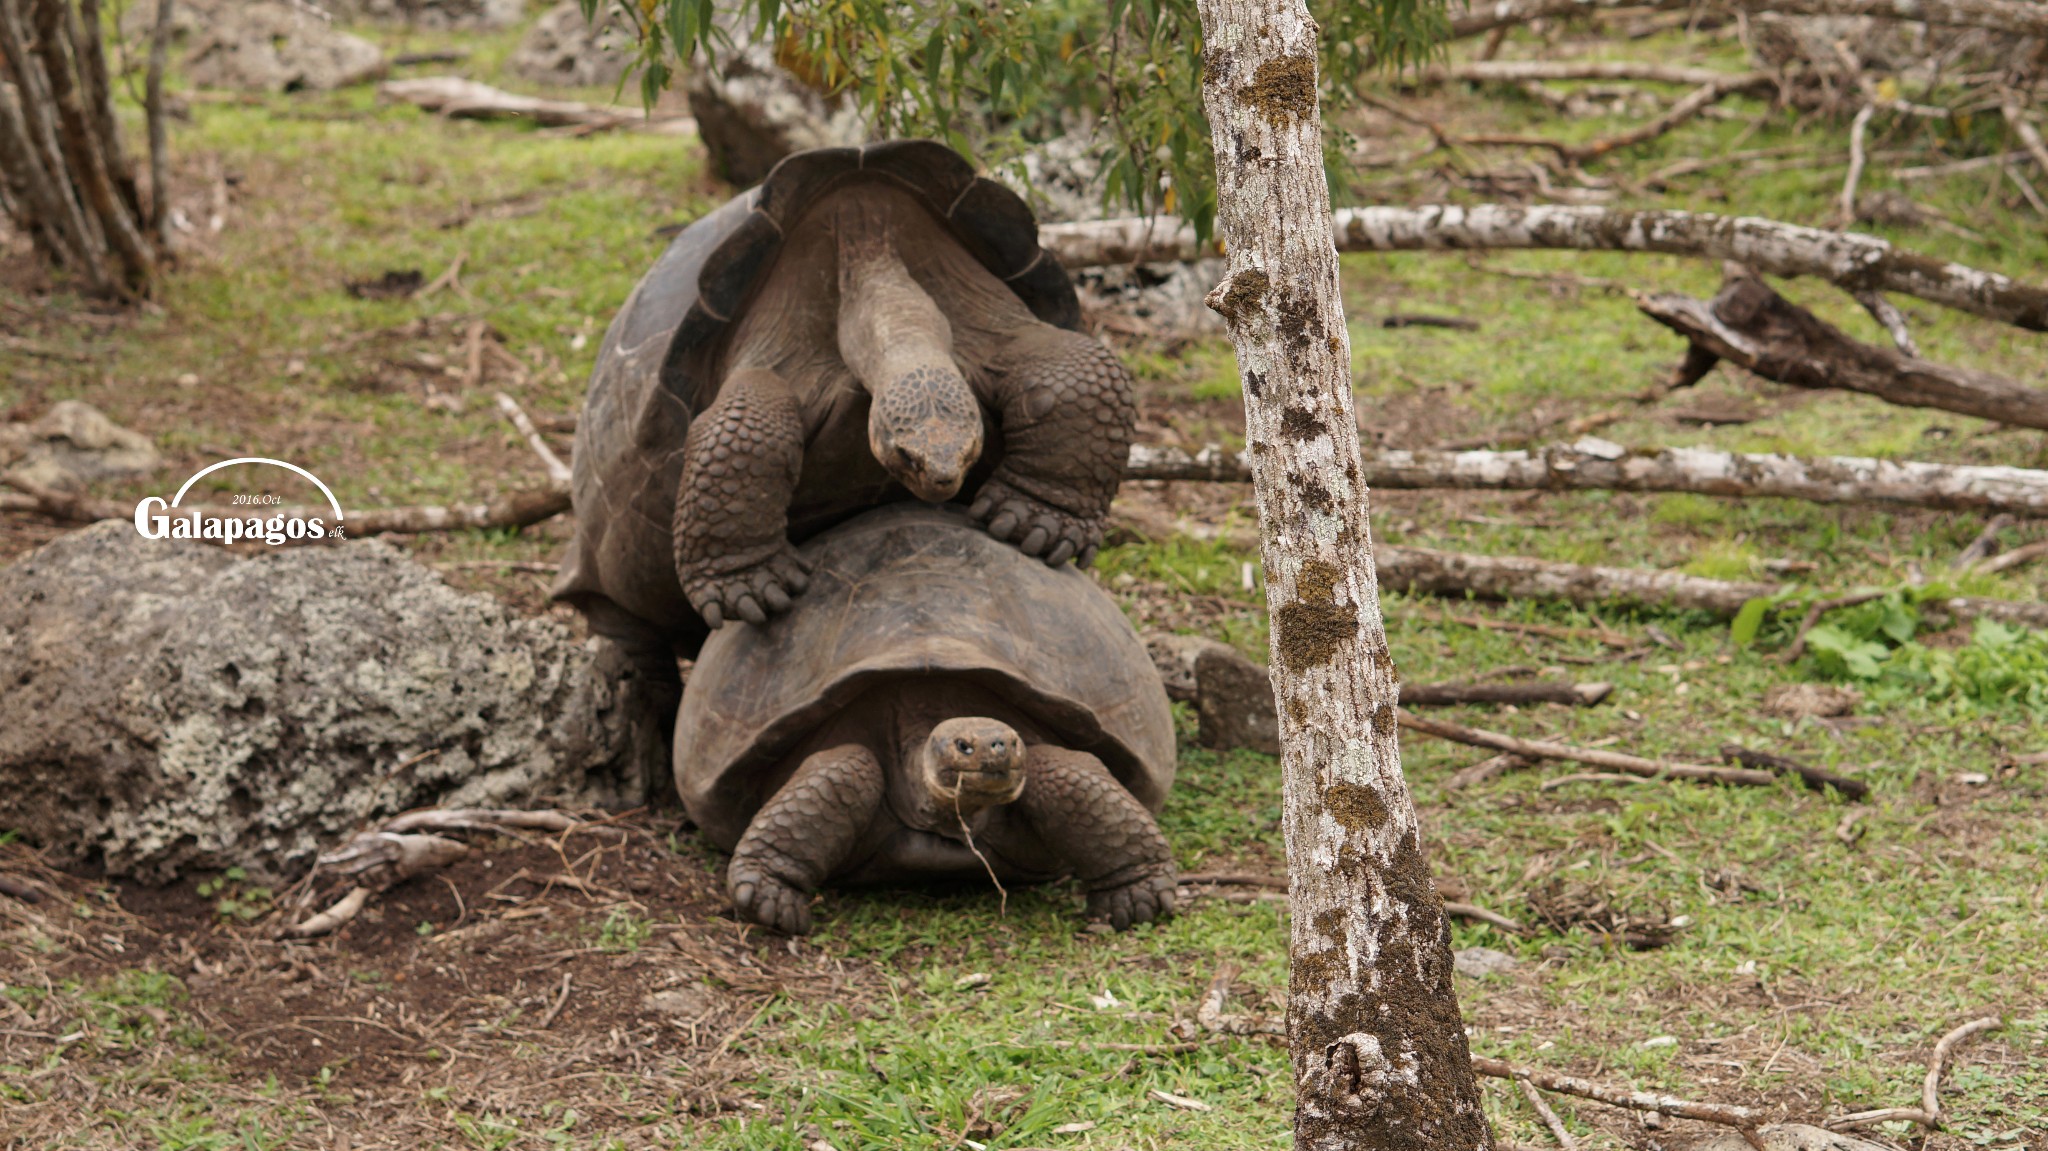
1851 260
1431 572
1520 694
1481 915
1928 1114
1816 778
1750 324
558 472
460 99
513 510
1597 465
1727 1114
2014 16
1550 1119
1540 71
1597 757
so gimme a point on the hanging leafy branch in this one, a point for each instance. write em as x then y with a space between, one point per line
993 77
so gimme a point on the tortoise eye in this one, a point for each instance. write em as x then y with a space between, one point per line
965 747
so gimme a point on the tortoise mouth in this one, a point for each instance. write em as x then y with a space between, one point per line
972 763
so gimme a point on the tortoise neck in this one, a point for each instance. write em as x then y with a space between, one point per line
889 327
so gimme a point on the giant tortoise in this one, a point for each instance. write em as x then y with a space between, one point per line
936 705
868 325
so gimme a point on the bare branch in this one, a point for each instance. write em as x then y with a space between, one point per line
1596 757
1851 260
558 472
1597 465
1727 1114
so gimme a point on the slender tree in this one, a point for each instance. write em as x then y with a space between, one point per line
65 175
1380 1059
1379 1049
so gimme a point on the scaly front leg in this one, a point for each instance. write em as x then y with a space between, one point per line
1067 413
802 835
741 461
1099 829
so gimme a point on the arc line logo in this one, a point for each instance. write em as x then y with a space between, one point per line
156 519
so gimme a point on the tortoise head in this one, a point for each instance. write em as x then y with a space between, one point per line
924 427
972 763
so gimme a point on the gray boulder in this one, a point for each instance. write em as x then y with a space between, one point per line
171 706
266 47
564 49
72 445
752 112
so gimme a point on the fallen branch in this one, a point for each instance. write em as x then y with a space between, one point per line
1928 1114
512 510
1453 694
391 858
2013 16
461 99
1482 915
1485 769
1851 260
1595 757
334 918
2025 553
1819 779
479 819
1599 465
1797 647
1750 324
558 472
2013 104
1727 1114
1549 1117
1543 71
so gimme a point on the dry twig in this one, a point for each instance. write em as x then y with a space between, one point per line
1820 608
558 472
1550 1119
1727 1114
1540 749
1928 1114
334 918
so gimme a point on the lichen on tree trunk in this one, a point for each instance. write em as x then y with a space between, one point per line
1379 1050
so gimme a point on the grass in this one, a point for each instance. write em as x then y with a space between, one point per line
1817 968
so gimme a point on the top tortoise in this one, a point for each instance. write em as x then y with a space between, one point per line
868 325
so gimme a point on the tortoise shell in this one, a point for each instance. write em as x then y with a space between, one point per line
910 589
720 257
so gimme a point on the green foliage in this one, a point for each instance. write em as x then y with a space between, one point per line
235 901
993 78
623 931
1876 644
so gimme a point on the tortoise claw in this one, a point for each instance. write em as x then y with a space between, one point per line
1038 528
748 587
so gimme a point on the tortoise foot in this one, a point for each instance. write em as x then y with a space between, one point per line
1036 527
769 901
1142 900
749 586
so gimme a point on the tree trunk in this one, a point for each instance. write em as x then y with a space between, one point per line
1850 260
69 183
1379 1053
1600 466
1750 324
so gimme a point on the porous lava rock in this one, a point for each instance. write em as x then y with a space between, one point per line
170 706
564 49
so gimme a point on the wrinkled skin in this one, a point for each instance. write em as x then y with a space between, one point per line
907 782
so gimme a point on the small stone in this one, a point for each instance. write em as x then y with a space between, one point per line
682 1002
1659 1041
1810 700
73 445
970 982
1483 962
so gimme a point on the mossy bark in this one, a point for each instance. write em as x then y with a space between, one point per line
1380 1059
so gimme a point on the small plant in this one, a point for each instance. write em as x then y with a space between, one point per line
623 931
232 900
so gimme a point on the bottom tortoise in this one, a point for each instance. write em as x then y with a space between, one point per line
938 705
